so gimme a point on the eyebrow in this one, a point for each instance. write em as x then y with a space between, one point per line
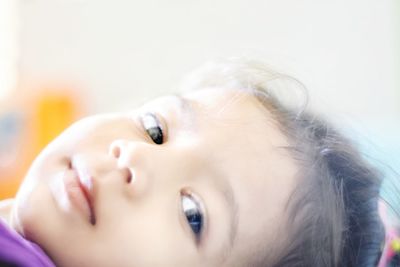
222 185
184 104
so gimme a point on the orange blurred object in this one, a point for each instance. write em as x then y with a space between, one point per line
29 126
54 114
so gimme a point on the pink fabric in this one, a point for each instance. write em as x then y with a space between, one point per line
392 235
388 251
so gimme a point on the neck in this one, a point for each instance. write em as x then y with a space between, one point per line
5 210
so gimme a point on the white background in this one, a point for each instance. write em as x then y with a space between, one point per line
8 46
122 52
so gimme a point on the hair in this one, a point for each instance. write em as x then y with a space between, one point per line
333 217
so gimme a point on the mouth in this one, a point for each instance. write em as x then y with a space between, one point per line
84 183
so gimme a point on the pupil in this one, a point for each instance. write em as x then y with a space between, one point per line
195 222
156 135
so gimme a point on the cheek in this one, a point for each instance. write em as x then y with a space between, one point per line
142 234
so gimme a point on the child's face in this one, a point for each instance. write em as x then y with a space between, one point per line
218 144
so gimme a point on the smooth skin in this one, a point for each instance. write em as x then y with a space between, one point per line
220 147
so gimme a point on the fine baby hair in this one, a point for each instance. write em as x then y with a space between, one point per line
333 213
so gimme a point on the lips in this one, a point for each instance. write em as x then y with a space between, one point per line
79 188
86 185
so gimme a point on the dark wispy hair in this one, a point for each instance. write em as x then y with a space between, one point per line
333 213
333 217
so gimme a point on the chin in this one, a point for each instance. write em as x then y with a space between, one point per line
24 215
30 215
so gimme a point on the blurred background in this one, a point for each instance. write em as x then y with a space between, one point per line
64 59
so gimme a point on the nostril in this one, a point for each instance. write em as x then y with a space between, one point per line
116 151
68 162
128 175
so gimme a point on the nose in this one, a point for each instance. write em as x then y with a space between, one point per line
130 155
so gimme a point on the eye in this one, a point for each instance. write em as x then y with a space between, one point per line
193 212
153 128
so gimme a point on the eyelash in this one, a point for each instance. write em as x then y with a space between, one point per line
193 212
153 128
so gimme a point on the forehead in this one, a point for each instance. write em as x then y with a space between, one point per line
236 114
249 150
224 100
